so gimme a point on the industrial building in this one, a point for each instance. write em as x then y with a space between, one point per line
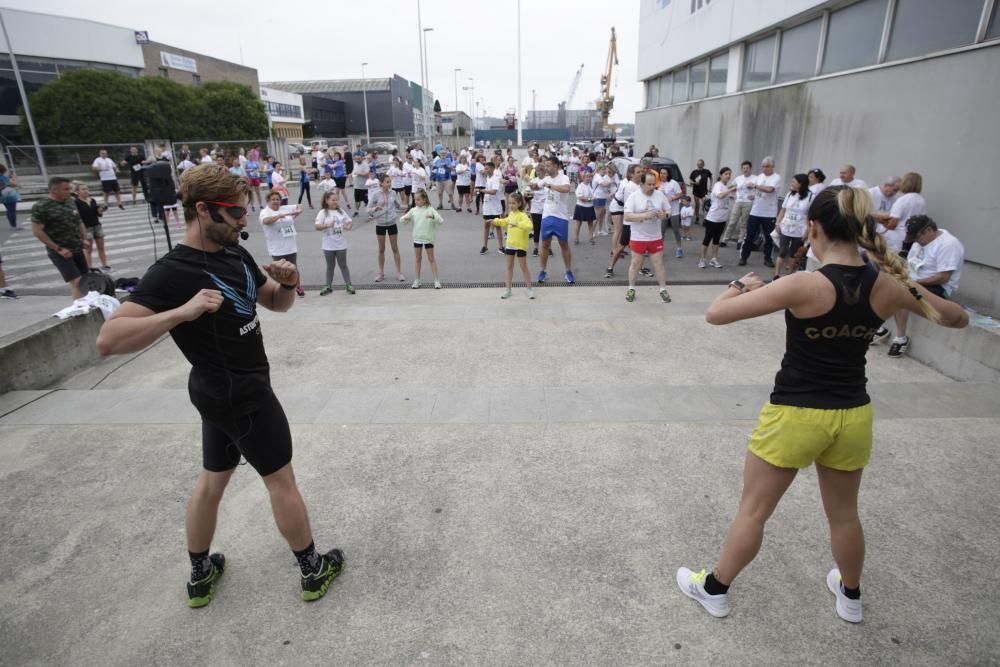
888 85
284 113
581 123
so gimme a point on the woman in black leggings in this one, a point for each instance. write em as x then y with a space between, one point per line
717 217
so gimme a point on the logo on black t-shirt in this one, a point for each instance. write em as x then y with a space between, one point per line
242 303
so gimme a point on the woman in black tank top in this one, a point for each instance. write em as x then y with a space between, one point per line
819 412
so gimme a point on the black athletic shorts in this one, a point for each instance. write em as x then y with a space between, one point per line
136 177
515 252
72 268
463 189
360 195
386 230
398 190
341 181
261 437
408 189
429 246
109 186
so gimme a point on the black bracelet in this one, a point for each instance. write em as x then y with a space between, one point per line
288 287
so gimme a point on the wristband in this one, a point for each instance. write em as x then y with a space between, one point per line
288 287
740 286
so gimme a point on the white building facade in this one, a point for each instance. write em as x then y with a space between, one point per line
888 85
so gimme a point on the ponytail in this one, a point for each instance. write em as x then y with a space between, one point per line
855 204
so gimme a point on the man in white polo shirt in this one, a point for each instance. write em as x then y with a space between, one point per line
555 188
848 178
644 211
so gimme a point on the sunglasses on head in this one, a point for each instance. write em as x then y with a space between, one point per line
235 210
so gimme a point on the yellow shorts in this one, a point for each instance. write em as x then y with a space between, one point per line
792 437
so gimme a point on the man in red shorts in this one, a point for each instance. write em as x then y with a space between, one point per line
644 210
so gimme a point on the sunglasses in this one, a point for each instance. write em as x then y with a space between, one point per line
238 212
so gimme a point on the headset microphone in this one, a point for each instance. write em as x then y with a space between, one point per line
216 217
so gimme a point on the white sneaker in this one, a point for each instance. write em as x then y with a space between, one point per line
437 284
692 584
847 609
702 263
531 293
506 294
416 284
714 263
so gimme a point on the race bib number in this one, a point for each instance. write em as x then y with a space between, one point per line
137 167
287 231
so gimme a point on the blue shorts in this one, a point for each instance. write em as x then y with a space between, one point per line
600 203
557 227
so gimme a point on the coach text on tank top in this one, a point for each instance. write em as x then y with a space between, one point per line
824 362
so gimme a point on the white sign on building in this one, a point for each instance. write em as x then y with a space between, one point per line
175 61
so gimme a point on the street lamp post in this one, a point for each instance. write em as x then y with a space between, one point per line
455 118
517 120
427 83
364 95
472 102
24 102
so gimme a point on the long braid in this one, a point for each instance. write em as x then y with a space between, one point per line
856 203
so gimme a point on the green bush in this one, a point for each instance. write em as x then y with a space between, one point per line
93 107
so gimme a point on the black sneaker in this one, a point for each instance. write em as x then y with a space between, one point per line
7 294
483 250
608 273
314 585
200 592
534 253
880 336
897 350
722 244
768 263
742 262
646 272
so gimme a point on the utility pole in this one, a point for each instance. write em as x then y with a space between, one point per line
520 139
24 100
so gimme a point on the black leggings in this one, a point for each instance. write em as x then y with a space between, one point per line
713 232
536 222
305 190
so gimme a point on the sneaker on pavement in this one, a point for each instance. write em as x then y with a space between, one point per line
630 295
692 584
437 284
768 263
646 272
200 592
106 268
400 277
326 290
542 275
664 295
416 284
742 262
534 253
714 263
506 294
315 584
7 294
880 336
702 263
379 277
847 609
608 273
350 289
570 278
898 347
500 251
531 293
679 253
483 250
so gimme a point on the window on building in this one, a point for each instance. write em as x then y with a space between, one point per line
652 93
195 79
680 86
854 36
699 79
718 74
926 26
993 29
799 45
163 72
758 63
666 83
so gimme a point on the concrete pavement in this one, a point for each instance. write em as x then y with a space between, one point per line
511 482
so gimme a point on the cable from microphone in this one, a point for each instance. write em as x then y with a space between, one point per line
216 217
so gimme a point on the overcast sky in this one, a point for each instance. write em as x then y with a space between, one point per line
320 40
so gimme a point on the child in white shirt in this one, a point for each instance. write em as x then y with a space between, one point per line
372 184
687 217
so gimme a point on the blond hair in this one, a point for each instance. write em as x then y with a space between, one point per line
912 182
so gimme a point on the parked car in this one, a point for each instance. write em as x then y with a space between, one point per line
379 146
660 163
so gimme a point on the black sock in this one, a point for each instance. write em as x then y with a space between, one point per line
713 586
308 559
851 593
201 566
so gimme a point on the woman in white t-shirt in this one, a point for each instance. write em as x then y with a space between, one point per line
584 211
601 184
278 183
398 179
723 193
278 222
791 225
463 182
419 176
333 223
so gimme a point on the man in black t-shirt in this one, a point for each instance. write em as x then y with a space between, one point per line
134 163
701 184
205 293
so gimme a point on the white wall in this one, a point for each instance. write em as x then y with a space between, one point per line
283 97
670 35
48 36
932 116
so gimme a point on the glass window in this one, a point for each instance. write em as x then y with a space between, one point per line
680 86
666 81
699 75
926 26
799 46
652 93
195 79
854 36
33 65
994 28
759 60
163 72
718 73
5 61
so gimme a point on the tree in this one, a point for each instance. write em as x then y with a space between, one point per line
91 107
437 106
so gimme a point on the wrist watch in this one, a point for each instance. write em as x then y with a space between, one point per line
740 286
